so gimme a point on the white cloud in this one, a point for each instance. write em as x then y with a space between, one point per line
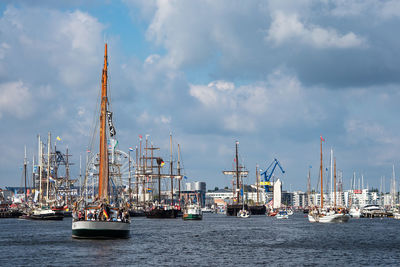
287 27
278 101
379 9
16 100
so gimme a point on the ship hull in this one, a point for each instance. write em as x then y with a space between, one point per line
100 229
232 210
258 210
192 217
162 214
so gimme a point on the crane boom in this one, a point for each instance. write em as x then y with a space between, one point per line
268 174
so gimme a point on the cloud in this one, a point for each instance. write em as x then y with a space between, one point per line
16 100
288 27
278 101
380 9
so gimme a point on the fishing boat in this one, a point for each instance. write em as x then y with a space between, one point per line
283 214
43 213
321 215
192 212
107 215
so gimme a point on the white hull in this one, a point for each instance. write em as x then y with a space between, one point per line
329 218
396 215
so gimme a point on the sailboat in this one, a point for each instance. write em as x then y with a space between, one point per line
243 213
319 214
106 217
42 210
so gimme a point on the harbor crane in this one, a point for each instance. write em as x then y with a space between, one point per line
268 174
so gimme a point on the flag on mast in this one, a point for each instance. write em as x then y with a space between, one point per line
322 138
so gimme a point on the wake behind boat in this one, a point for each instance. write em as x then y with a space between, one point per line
107 216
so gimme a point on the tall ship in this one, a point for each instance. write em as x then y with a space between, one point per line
164 208
51 195
238 172
106 216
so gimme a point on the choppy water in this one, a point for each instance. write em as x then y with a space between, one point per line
217 240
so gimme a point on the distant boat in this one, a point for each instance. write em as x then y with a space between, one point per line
192 212
355 212
243 213
43 213
207 210
318 214
283 214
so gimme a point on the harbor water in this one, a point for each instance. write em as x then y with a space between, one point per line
217 240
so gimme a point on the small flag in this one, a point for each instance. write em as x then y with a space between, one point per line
88 151
58 138
140 136
322 138
234 159
105 213
162 163
310 167
184 177
130 149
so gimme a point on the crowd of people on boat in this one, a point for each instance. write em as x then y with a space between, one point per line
102 213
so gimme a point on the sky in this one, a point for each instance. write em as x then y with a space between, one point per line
272 75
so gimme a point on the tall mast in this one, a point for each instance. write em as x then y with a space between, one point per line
322 187
33 174
130 189
145 181
80 172
25 163
179 174
309 187
257 182
137 178
67 180
48 165
335 185
237 172
171 171
103 168
40 163
330 196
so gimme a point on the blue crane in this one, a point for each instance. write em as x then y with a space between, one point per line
268 174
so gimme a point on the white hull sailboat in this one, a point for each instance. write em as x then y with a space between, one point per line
109 218
319 215
332 217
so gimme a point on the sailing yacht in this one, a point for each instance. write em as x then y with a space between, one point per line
322 215
106 217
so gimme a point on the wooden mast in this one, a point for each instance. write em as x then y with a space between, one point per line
322 188
25 163
237 173
335 183
103 168
179 174
309 187
257 179
171 171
